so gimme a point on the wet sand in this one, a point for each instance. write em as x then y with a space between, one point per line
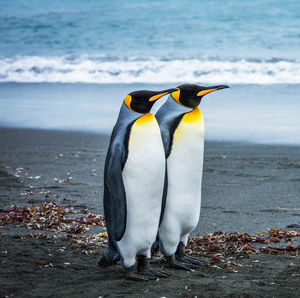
246 188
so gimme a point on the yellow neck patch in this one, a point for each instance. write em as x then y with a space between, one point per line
190 128
194 116
145 119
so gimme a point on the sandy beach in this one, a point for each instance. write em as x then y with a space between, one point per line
247 188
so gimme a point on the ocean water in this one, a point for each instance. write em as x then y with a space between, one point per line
68 64
109 41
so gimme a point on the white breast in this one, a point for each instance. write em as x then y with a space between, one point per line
185 166
143 177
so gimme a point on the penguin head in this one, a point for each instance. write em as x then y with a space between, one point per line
190 95
142 101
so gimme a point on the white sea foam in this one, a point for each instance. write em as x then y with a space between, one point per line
87 69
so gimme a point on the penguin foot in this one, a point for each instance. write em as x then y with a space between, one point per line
191 260
144 271
134 274
180 264
182 257
146 274
159 273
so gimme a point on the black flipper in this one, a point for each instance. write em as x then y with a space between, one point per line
114 199
112 188
117 192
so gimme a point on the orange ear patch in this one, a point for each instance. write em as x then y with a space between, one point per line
175 95
127 101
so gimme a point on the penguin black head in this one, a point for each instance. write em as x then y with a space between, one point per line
142 101
190 95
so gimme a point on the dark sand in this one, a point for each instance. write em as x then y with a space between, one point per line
246 188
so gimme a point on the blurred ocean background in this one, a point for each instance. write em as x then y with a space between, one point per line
68 64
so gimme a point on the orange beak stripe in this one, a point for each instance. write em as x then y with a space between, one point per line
204 92
155 97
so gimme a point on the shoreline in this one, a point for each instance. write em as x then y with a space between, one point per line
244 112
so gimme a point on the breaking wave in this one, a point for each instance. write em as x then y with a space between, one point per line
86 69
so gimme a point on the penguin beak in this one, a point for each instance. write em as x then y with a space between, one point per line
211 89
161 94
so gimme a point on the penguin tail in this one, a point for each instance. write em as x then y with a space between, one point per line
105 262
155 247
110 258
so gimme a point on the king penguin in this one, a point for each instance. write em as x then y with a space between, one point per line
182 129
133 185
